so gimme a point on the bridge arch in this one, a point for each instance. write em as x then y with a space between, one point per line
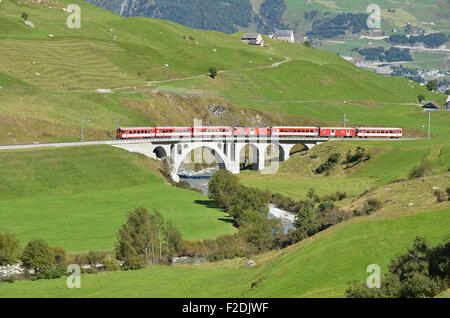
160 152
184 152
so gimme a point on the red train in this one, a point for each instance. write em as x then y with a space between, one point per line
277 131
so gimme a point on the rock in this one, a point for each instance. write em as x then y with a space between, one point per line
436 188
250 263
410 204
30 24
51 35
387 189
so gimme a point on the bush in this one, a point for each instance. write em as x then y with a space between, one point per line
332 160
448 192
53 272
422 271
111 264
9 279
10 250
212 72
424 169
59 253
440 196
80 259
95 257
134 262
38 255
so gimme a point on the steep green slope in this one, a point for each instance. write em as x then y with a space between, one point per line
319 267
49 83
389 161
78 197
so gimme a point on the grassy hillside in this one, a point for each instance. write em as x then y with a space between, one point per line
318 267
49 83
390 161
77 198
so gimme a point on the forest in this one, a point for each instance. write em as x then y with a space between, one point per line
431 40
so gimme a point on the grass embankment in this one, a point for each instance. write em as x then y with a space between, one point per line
390 161
320 266
77 198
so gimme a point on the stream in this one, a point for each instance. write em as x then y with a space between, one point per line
200 180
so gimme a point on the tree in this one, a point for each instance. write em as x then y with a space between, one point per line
422 271
212 72
432 85
147 239
307 44
421 98
447 92
10 250
38 255
24 16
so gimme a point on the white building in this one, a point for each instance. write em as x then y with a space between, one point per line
284 35
253 39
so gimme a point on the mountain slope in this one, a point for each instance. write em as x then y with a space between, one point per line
49 82
266 15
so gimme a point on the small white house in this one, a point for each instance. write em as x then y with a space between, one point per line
253 39
284 35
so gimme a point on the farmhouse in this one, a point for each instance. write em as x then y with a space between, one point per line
431 105
284 35
253 39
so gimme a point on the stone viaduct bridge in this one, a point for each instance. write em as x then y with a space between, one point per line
226 150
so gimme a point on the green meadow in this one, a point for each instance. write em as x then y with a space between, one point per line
317 267
78 198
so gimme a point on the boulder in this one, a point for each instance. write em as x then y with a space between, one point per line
250 263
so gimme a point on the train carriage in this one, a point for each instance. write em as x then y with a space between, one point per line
167 132
135 132
337 132
212 131
251 131
374 132
295 131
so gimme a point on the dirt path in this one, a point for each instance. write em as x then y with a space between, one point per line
287 59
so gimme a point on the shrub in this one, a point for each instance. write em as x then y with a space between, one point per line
80 259
10 250
424 169
212 72
134 262
448 192
332 160
38 255
59 253
420 272
440 196
111 264
9 279
95 257
53 272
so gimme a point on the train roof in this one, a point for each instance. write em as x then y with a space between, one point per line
378 128
294 127
136 127
337 128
